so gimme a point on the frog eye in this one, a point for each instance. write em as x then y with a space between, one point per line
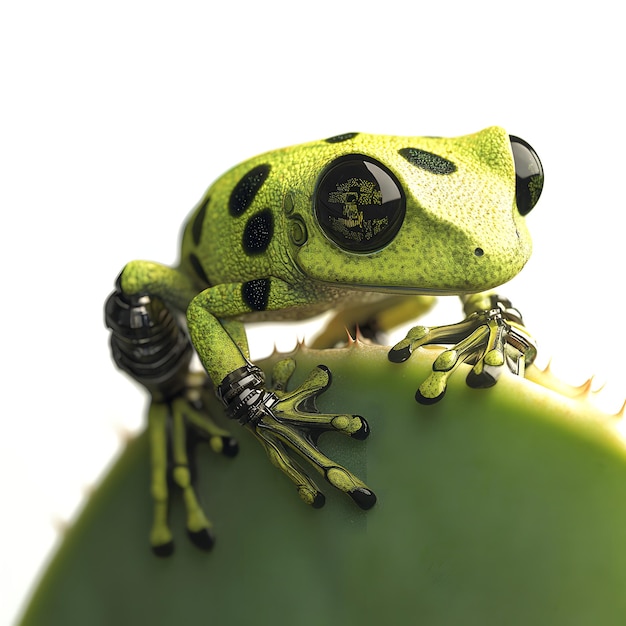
528 175
359 203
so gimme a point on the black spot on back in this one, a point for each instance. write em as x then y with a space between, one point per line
198 220
255 293
258 232
340 138
428 161
244 191
198 269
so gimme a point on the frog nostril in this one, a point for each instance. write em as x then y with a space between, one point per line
479 252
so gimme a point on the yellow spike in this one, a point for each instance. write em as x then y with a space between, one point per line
357 336
358 342
585 388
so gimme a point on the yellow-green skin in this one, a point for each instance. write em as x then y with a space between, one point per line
462 233
253 249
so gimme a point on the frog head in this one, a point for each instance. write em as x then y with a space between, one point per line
416 214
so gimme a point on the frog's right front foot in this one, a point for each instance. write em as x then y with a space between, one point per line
288 425
492 338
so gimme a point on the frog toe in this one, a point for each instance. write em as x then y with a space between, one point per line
281 373
364 498
352 425
164 549
488 377
161 540
399 353
433 389
280 458
315 498
345 481
230 447
423 399
298 409
225 445
319 500
203 538
363 432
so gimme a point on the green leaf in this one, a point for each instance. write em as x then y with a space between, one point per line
500 506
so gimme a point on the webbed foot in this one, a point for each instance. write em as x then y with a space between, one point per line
489 338
288 425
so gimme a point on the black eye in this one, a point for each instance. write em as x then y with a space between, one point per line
359 203
528 175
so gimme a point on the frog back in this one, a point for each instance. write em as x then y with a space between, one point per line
235 233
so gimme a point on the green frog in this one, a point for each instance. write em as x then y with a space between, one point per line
358 223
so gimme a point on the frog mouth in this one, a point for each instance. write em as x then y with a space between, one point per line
402 290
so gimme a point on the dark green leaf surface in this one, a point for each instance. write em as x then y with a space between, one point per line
502 506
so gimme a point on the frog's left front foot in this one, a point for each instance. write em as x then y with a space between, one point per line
490 337
288 425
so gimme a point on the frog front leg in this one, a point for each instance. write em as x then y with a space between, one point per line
491 337
286 423
148 343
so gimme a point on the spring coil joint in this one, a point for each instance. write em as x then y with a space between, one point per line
148 343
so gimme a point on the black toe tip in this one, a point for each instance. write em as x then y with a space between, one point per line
164 550
203 539
319 501
426 400
484 380
364 498
399 356
324 368
363 432
230 447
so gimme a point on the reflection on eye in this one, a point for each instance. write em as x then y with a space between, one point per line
359 204
528 175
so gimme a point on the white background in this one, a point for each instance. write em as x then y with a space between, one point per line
115 116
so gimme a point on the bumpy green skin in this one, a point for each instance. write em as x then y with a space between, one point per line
253 250
447 218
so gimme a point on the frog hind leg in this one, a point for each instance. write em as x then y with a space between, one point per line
371 320
149 344
199 528
161 538
174 428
